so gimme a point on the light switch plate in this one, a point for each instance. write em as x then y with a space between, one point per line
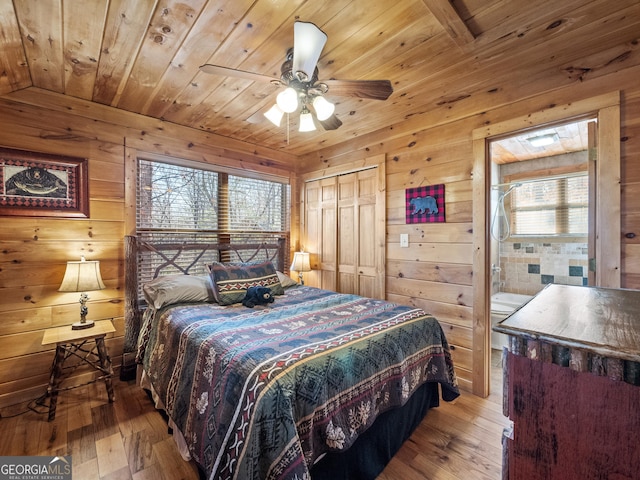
404 240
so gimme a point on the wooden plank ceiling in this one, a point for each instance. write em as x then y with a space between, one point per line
143 56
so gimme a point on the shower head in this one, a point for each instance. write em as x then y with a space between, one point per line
508 190
511 185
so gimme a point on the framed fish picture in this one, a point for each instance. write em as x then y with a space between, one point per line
425 204
43 185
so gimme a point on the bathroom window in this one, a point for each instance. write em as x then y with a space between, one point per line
556 206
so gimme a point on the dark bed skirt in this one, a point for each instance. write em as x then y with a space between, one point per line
373 450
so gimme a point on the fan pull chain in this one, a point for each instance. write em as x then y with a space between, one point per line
287 128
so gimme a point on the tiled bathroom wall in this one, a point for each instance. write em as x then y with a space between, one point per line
527 267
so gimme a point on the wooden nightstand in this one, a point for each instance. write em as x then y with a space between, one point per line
89 348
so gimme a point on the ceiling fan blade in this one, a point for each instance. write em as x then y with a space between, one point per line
331 123
233 72
374 89
308 42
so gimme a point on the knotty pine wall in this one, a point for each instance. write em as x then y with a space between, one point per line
34 251
435 272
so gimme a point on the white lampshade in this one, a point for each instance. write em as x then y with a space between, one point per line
287 100
82 276
274 114
301 262
306 121
324 109
308 42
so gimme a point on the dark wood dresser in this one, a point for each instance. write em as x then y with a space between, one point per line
572 385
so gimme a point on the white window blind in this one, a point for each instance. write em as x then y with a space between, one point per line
257 205
177 197
549 207
181 203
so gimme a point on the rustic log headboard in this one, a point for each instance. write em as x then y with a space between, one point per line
148 259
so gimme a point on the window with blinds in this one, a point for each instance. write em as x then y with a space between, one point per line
181 203
551 207
177 197
172 197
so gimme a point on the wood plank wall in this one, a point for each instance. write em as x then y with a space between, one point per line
34 251
435 272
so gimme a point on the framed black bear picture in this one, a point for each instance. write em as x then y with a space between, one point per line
425 204
43 185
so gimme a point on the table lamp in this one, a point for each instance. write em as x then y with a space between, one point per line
82 276
300 264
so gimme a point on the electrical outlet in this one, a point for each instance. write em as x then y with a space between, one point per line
404 240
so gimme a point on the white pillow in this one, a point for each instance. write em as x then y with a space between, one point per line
170 289
286 280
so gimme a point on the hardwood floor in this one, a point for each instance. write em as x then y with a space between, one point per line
456 441
128 439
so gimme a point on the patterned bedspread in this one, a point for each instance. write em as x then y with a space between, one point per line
262 393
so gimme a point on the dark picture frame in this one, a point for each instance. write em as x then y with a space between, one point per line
34 184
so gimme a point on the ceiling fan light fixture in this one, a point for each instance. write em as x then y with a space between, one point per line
274 115
306 121
543 140
287 100
324 108
308 42
299 74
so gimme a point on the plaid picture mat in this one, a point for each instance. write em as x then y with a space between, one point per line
425 204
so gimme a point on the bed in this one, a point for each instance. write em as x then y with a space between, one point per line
315 385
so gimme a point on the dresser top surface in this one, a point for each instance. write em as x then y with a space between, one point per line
605 320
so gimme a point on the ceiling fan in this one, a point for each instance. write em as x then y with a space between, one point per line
303 91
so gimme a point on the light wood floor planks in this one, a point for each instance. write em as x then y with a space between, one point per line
129 439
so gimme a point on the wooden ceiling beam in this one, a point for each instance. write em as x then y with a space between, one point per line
448 17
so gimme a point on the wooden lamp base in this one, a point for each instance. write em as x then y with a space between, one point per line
81 325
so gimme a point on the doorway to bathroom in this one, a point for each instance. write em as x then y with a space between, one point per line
540 189
604 207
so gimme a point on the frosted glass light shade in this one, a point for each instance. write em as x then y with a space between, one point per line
306 122
274 114
308 42
287 100
82 276
324 109
543 140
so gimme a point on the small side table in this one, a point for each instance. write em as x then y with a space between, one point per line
88 346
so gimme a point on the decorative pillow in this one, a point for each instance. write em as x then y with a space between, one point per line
231 280
286 280
170 289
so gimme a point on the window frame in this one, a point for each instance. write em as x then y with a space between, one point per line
222 195
578 170
220 236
